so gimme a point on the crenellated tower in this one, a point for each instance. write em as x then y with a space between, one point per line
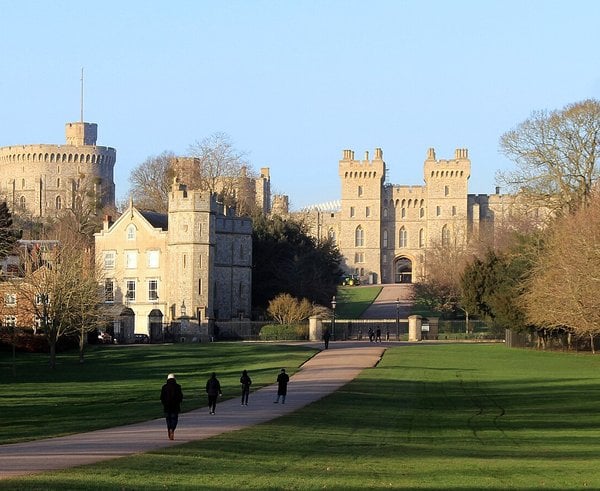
360 217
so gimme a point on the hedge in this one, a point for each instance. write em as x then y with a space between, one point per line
287 332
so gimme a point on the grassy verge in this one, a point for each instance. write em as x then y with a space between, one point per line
352 301
427 417
121 384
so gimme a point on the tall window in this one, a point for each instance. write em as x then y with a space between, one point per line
130 290
403 237
446 190
153 259
131 232
367 211
152 290
109 290
352 211
385 238
421 212
438 211
109 260
58 203
421 238
359 257
445 235
385 213
360 190
453 210
359 237
331 235
131 259
22 202
403 213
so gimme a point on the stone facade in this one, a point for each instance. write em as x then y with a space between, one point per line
44 179
197 258
383 230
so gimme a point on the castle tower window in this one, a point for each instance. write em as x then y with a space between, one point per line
385 213
359 237
403 212
421 212
438 211
367 211
421 238
58 203
331 235
351 211
199 286
22 183
446 190
454 211
403 242
445 236
131 232
359 257
22 203
58 182
360 190
385 238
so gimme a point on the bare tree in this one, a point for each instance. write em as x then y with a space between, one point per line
60 289
217 167
151 182
562 292
556 155
286 309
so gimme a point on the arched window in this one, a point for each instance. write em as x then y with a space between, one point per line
331 235
360 190
131 232
422 238
58 203
445 235
385 238
421 212
22 202
403 212
359 237
22 183
403 242
385 213
446 190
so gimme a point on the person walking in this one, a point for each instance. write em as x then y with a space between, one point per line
213 389
246 382
326 338
378 334
371 334
282 381
171 396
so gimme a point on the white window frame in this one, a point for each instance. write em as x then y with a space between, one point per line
10 299
130 290
109 259
131 258
151 297
153 259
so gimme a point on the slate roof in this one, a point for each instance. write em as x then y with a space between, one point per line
157 220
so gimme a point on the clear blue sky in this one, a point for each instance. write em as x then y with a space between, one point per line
293 83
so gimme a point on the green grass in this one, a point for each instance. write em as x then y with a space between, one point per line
121 384
352 301
463 417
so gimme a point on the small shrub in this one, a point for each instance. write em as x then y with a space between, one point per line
287 332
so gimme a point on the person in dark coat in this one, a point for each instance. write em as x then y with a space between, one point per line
246 382
378 334
282 381
326 338
171 397
371 334
213 389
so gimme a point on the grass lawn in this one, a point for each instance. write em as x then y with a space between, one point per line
121 384
352 301
463 417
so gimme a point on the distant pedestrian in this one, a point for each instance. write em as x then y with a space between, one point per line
371 334
326 338
171 397
387 334
378 335
246 382
213 389
282 381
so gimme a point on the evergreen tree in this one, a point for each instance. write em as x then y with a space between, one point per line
8 235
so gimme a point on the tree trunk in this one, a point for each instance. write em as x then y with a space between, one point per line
81 344
52 343
592 344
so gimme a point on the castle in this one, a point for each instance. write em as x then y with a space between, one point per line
384 230
193 263
42 180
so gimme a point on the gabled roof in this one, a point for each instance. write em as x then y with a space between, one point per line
157 220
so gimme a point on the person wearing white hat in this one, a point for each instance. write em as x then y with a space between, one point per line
171 396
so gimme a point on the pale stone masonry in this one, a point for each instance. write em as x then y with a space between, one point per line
42 180
384 230
198 256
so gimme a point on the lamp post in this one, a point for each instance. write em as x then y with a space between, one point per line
333 305
183 308
398 319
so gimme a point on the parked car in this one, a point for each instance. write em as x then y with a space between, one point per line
142 339
350 280
104 338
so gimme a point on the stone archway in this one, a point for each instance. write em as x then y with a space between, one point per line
403 270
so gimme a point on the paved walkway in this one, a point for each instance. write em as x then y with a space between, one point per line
384 306
323 374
